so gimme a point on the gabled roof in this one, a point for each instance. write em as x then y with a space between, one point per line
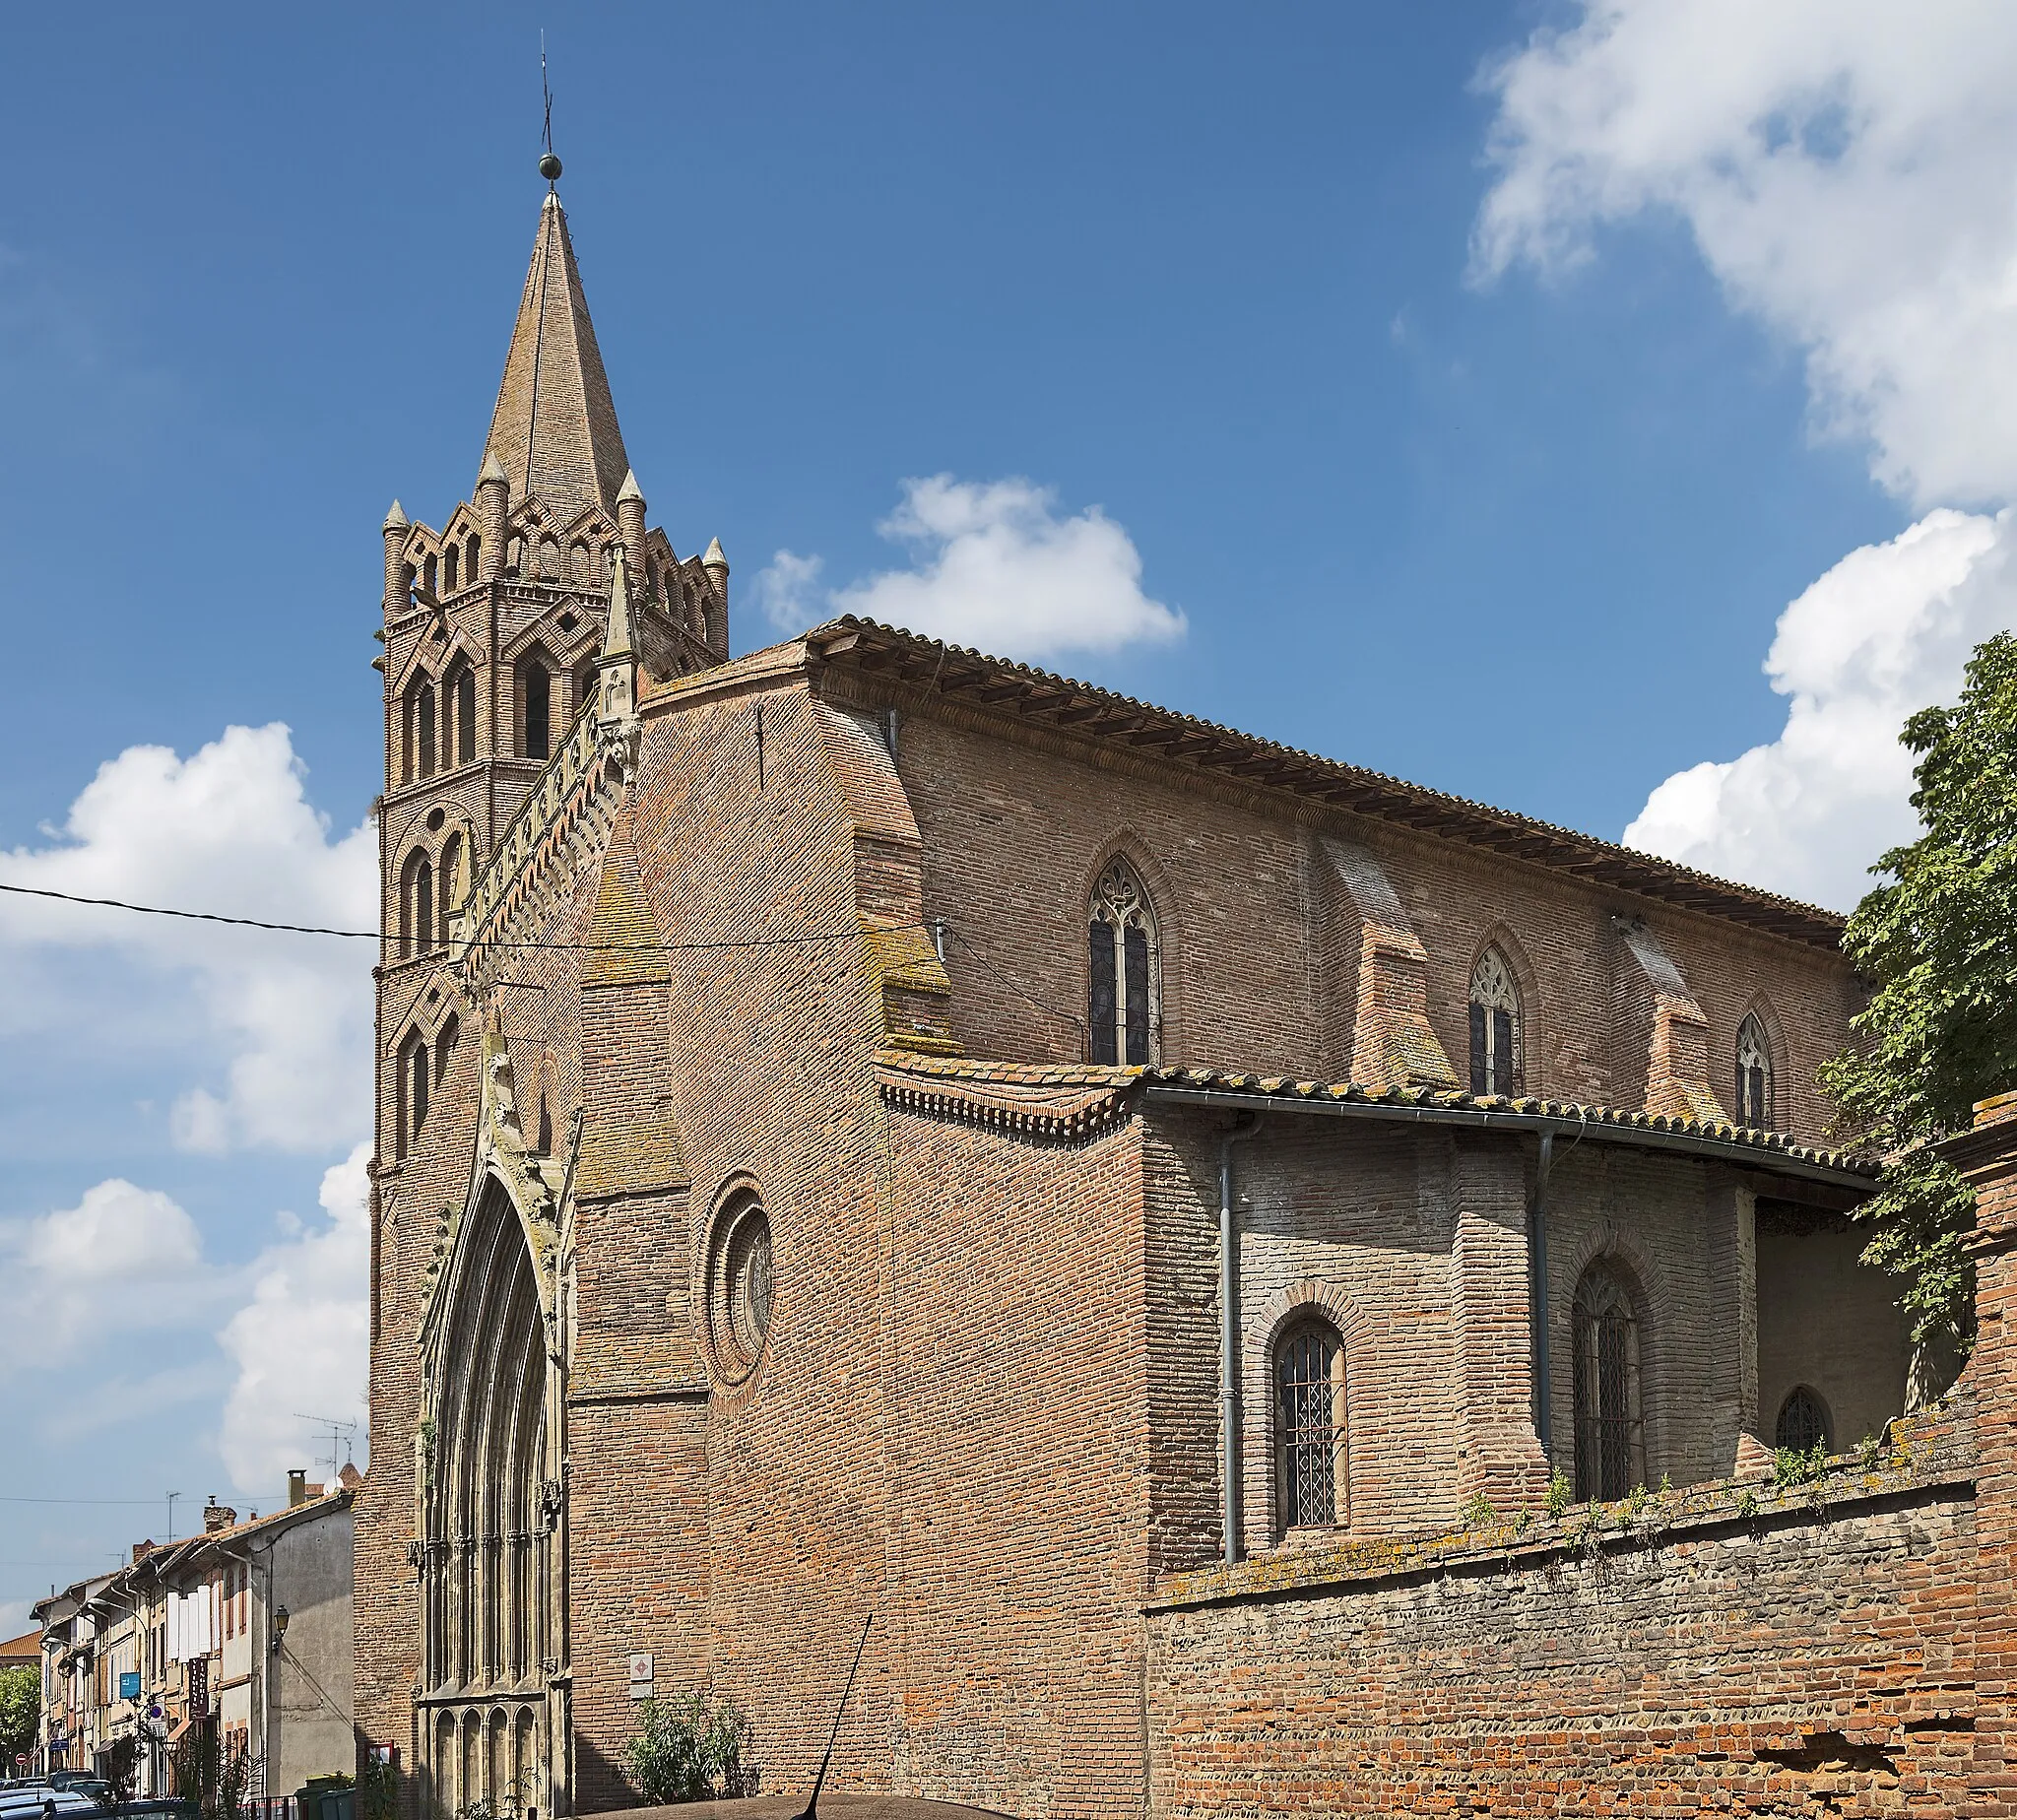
1187 744
555 427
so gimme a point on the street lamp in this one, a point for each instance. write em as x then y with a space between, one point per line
280 1627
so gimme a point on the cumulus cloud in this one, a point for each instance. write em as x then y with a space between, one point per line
1843 168
1885 631
102 1283
281 1023
994 565
300 1344
125 1261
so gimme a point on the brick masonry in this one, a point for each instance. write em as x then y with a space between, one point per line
813 931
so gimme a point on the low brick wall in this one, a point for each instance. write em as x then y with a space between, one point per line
1738 1648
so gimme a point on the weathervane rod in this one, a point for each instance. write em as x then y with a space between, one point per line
549 166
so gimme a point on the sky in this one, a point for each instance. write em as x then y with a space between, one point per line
1606 408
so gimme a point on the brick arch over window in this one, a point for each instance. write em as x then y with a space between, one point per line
1263 1329
1516 990
417 903
1126 862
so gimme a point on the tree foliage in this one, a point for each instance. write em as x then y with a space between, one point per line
1938 944
21 1711
690 1750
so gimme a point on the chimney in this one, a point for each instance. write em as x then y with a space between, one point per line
297 1486
218 1517
141 1550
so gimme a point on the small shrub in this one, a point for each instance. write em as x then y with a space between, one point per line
1792 1466
690 1750
1747 1502
1636 1503
1868 1452
1477 1511
1561 1494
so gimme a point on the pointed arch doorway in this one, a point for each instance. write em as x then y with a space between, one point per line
493 1552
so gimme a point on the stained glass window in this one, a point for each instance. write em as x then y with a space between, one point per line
1610 1454
1754 1075
1494 1027
1124 970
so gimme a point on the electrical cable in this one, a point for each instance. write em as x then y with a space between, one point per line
373 934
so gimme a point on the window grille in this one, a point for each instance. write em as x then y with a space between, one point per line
1494 1027
1803 1423
1125 968
1609 1442
1309 1376
1754 1074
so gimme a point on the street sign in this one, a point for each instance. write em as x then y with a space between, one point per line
129 1684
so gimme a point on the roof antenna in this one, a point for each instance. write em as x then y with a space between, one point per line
820 1781
549 166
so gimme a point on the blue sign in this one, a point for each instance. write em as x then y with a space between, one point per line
129 1684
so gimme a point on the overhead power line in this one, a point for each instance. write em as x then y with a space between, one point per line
373 934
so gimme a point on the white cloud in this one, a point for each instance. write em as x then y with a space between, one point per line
123 1263
103 1286
275 1025
993 564
301 1343
1885 631
1845 169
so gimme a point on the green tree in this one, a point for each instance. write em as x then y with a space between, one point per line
688 1750
1938 944
20 1712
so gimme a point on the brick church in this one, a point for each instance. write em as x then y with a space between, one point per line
1226 1255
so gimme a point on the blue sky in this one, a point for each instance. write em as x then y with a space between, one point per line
1476 435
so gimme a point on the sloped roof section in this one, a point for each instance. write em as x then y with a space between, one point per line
1187 744
555 427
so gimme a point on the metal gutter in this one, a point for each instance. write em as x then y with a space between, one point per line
1529 1124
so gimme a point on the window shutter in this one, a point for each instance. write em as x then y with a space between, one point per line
1134 942
1103 1009
1478 1077
1501 1051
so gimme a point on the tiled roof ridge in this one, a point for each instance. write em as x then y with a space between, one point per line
1119 1080
1785 916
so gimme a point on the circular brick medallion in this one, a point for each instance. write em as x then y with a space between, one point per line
739 1288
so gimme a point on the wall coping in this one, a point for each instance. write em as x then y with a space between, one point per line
1925 1457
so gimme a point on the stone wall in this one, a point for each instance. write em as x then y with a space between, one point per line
1736 1649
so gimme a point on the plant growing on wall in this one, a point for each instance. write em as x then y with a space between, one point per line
1938 942
689 1749
21 1711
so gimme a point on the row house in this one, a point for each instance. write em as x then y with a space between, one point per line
236 1641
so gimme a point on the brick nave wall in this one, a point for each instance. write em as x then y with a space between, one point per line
1018 1467
1016 824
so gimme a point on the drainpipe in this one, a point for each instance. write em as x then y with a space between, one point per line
1537 1291
1229 1337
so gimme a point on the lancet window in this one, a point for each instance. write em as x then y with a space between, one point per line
536 706
424 729
412 1092
1310 1427
462 694
1125 970
451 568
1494 1027
1610 1447
1754 1074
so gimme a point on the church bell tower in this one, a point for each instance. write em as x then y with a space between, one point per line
494 622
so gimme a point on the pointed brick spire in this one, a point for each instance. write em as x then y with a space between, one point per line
555 429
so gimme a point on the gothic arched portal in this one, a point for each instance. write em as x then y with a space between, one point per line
490 1552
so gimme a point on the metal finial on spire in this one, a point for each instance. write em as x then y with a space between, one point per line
549 166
